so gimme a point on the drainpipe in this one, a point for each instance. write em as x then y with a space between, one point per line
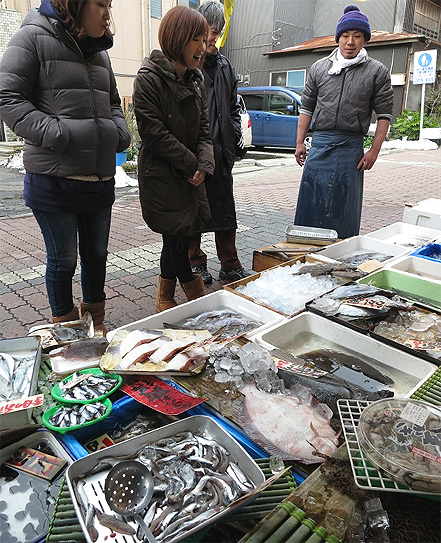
150 27
143 29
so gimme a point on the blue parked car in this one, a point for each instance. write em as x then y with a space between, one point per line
274 113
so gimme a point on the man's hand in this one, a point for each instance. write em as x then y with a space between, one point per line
368 160
197 179
300 154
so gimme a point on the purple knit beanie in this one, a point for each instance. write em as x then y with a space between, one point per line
353 19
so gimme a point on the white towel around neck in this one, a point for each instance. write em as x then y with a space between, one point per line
339 61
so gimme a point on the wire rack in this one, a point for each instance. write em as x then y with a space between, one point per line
366 475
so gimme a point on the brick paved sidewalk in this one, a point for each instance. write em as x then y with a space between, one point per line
265 200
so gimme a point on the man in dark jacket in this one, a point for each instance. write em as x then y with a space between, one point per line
226 135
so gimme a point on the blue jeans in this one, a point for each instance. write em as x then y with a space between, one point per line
60 237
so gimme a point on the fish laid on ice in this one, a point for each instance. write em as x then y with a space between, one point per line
142 352
190 358
82 349
137 337
282 424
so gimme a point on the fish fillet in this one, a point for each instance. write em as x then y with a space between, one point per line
165 352
284 426
142 352
135 338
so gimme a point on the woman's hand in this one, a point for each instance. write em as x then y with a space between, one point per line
197 179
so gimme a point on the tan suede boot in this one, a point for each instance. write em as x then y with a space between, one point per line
98 312
194 289
73 315
165 294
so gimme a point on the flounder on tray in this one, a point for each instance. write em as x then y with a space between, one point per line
163 352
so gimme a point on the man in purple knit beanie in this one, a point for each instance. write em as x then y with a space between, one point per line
341 93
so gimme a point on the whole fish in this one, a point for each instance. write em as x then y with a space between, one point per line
283 425
82 349
113 523
329 388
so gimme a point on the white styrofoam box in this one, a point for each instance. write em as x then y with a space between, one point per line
424 213
405 234
219 300
412 265
29 347
357 244
307 332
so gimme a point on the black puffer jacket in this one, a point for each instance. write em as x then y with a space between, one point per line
66 108
172 121
225 131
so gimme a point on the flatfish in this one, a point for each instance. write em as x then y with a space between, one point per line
82 349
283 425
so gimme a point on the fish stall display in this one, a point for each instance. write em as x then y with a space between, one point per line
79 354
418 329
223 323
359 304
288 425
286 289
16 371
86 386
60 333
198 472
402 437
153 352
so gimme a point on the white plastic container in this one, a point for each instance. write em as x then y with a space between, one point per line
29 347
359 244
422 267
405 234
306 332
425 213
219 300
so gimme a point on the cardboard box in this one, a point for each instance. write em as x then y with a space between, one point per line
425 213
232 287
278 253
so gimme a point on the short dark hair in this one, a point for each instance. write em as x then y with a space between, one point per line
70 13
178 26
213 11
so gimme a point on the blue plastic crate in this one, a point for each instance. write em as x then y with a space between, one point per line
432 252
121 158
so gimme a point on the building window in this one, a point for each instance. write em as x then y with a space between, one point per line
156 9
189 3
292 78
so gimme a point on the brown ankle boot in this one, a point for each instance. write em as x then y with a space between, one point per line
98 312
73 315
194 289
165 294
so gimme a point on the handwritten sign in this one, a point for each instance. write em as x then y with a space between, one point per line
23 403
160 396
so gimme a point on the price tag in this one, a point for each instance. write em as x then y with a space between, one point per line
368 303
22 403
423 345
101 442
415 414
160 396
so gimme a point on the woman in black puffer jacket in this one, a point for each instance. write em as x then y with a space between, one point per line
58 92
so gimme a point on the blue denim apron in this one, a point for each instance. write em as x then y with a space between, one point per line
331 190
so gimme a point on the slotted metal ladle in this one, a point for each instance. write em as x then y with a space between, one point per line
128 490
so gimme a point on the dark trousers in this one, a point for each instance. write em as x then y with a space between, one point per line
174 261
225 246
64 234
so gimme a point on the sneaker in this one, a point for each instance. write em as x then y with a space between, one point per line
234 275
206 275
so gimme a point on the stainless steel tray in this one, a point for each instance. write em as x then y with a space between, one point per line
310 234
94 484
